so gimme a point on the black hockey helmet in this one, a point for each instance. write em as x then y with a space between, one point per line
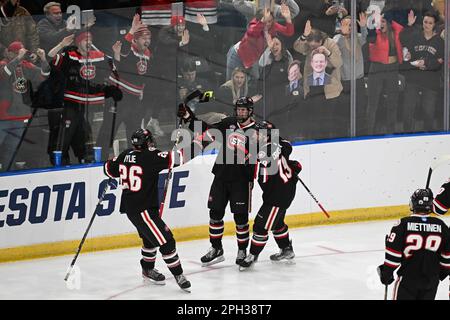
265 129
142 138
421 201
265 125
244 102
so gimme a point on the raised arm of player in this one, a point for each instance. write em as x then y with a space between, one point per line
441 202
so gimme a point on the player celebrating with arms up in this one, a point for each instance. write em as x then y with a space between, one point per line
233 178
441 202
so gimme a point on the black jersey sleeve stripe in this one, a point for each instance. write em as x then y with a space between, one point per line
438 207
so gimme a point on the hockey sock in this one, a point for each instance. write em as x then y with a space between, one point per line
148 258
282 237
258 243
243 236
170 256
216 228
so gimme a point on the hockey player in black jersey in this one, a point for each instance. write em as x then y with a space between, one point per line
278 189
441 202
138 169
233 175
419 246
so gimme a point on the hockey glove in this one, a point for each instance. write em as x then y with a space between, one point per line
113 92
296 166
185 113
386 274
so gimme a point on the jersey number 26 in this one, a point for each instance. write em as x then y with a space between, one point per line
130 178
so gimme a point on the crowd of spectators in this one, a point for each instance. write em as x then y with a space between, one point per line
293 57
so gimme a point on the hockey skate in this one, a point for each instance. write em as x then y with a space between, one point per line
183 283
287 254
241 256
153 276
247 262
212 257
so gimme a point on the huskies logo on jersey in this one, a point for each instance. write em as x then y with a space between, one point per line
142 67
87 72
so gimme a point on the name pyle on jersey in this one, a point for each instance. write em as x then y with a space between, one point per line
131 158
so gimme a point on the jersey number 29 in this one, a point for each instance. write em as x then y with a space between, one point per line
416 242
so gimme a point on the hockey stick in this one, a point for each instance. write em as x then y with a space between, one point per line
385 286
114 108
314 198
169 172
22 137
204 97
100 199
437 162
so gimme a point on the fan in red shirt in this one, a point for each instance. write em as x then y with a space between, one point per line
246 53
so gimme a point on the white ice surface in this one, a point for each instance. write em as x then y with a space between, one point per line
332 262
